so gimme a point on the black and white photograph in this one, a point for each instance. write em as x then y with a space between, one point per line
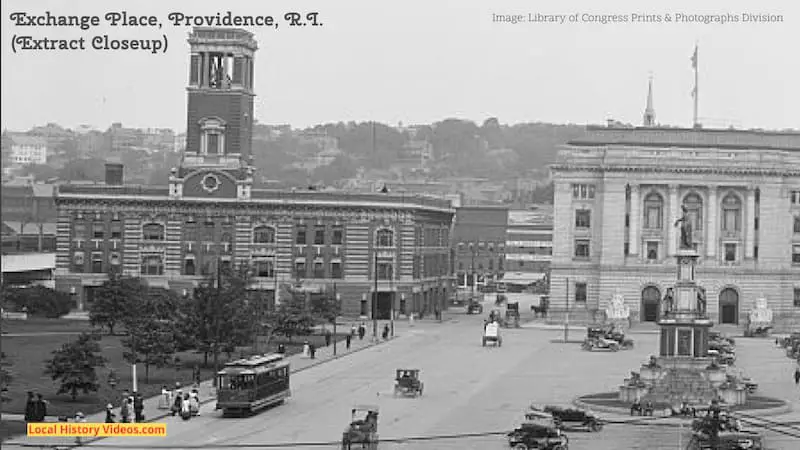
400 225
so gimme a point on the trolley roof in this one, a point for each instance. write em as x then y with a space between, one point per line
254 364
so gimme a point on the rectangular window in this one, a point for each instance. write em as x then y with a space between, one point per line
300 237
580 293
576 193
337 236
300 269
652 251
797 224
225 266
385 271
97 263
730 252
795 254
582 248
152 265
627 220
319 236
98 230
583 218
363 307
189 267
583 191
491 264
212 143
591 191
264 268
653 216
80 230
730 220
336 270
319 269
626 248
797 297
116 230
755 252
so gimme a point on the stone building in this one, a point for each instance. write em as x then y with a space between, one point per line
388 248
529 245
479 239
619 191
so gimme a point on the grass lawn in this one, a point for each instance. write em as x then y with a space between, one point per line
11 428
28 353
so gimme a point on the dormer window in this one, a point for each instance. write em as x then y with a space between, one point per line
212 137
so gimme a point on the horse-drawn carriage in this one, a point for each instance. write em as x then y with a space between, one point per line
512 315
407 383
541 310
362 433
491 333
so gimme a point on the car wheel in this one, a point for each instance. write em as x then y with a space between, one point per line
521 447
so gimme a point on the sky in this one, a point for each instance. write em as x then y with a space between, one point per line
421 61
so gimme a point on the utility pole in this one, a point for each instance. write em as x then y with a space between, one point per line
217 305
375 301
335 315
566 318
472 269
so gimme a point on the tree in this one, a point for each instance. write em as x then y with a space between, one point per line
327 307
151 328
38 301
115 300
293 317
73 365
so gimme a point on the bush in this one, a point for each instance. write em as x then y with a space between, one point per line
39 301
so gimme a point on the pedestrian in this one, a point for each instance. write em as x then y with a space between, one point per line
79 418
353 330
41 409
312 349
306 350
177 405
347 340
281 349
385 333
125 410
110 413
138 406
164 401
196 375
797 375
194 402
362 330
30 408
327 338
186 411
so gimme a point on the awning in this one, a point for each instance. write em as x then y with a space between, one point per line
522 277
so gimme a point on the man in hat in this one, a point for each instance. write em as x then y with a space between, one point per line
79 418
110 413
30 408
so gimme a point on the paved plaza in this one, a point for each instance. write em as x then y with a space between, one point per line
468 389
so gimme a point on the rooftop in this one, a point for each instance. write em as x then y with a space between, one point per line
26 140
727 138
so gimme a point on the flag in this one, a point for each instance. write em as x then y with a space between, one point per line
694 58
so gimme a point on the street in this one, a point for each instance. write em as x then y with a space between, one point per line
468 389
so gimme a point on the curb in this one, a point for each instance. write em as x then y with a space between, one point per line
209 400
787 407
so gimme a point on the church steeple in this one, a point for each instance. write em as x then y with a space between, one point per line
649 112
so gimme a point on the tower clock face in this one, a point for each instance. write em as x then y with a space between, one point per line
210 183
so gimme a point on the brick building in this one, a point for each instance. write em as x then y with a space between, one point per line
388 248
619 191
479 239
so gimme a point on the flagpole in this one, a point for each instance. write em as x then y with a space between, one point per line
696 86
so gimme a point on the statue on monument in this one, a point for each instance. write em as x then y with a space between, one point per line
668 302
686 230
701 299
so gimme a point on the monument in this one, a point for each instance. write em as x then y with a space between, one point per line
683 371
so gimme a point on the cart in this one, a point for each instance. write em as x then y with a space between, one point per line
407 383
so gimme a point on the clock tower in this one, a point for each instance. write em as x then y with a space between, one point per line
217 161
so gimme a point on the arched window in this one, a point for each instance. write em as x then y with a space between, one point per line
797 224
264 235
653 211
694 206
153 232
384 238
731 213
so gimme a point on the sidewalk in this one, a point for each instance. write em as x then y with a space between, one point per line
207 392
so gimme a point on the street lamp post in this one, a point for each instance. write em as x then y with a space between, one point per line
472 268
375 302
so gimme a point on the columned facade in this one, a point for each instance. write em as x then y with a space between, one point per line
726 179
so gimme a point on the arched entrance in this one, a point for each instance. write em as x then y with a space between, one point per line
651 297
729 306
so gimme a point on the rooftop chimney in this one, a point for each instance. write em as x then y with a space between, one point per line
114 174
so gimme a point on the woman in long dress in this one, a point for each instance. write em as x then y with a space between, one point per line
194 403
164 402
177 402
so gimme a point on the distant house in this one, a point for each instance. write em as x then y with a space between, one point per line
27 149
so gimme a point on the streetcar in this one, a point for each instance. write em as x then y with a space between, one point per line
246 386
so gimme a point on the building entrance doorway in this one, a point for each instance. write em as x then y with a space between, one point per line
651 298
729 306
384 306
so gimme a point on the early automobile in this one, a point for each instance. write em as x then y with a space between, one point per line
407 383
600 343
362 433
512 315
535 436
609 333
722 358
474 306
573 417
491 333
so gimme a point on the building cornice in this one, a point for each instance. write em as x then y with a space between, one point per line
742 171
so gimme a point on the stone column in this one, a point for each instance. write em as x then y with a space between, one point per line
749 225
204 78
713 223
636 212
670 222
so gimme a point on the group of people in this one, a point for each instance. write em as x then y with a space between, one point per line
185 404
131 409
35 408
